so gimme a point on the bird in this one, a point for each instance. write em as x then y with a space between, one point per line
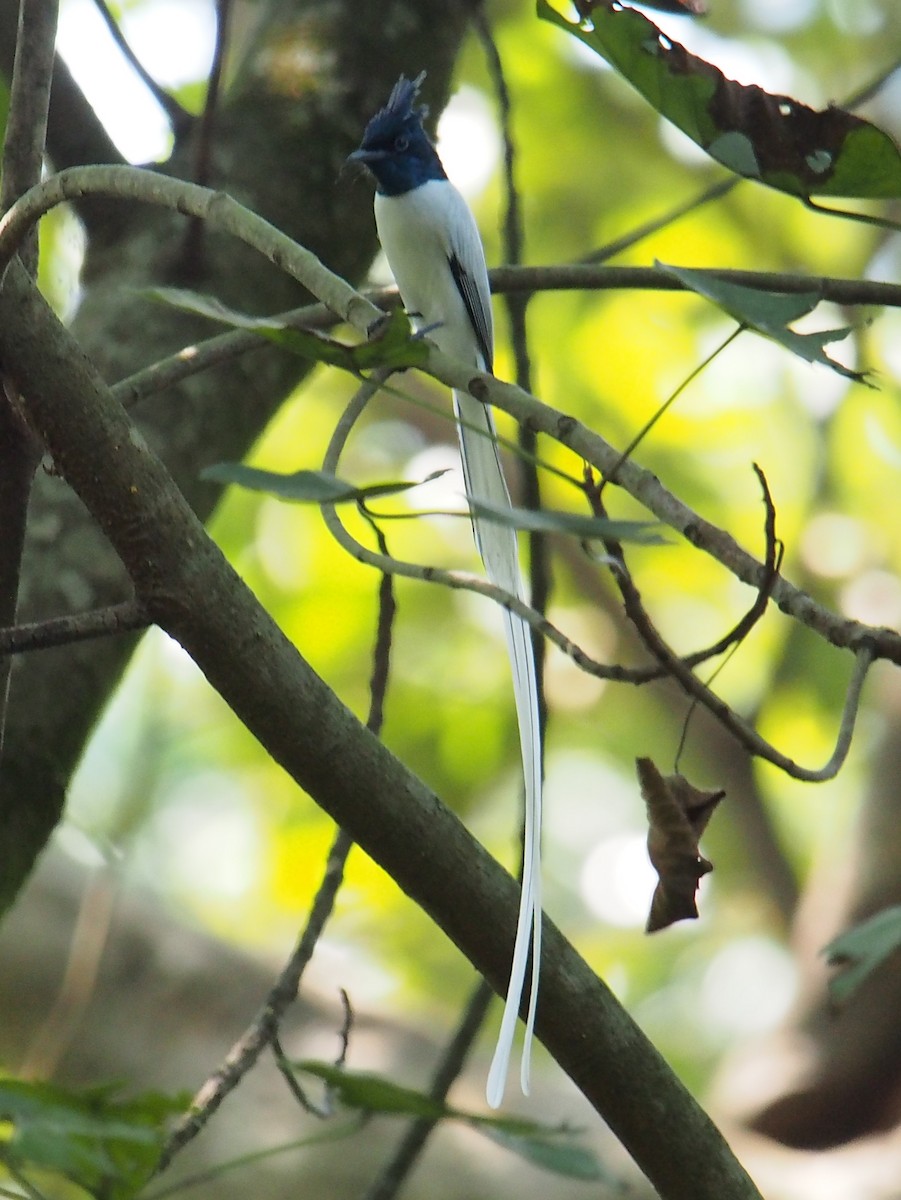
431 241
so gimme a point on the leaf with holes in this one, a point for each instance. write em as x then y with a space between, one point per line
759 135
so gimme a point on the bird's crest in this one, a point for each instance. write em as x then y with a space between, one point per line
400 111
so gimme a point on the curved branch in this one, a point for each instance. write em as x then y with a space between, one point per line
219 210
670 663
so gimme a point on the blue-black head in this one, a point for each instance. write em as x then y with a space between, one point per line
396 147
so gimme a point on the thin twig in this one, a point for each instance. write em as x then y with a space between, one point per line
694 687
598 277
127 617
213 352
849 214
775 550
670 400
190 263
258 1035
289 1075
715 191
202 162
179 118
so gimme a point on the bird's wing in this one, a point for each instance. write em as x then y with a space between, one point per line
499 550
477 301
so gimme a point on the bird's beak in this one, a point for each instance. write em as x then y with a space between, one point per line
366 156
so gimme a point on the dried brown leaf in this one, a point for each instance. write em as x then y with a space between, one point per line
678 814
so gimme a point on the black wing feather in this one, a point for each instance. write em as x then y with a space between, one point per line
475 307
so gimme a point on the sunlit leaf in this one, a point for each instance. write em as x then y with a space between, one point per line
861 950
771 138
394 345
769 313
310 487
548 521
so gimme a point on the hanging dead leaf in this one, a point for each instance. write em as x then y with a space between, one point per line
678 813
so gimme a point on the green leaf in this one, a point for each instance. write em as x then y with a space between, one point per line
374 1094
861 950
552 1154
550 1147
91 1138
769 314
546 520
310 487
393 345
760 135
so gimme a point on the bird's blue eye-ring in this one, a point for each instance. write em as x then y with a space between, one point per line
401 142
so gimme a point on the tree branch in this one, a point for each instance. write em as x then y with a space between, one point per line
192 593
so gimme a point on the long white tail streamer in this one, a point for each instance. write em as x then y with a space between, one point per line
498 548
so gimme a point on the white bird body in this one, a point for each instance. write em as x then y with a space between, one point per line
420 232
432 244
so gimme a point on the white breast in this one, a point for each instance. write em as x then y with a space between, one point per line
419 232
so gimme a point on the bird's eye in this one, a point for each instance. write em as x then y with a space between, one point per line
401 142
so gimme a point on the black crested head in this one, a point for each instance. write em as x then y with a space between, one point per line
399 113
395 146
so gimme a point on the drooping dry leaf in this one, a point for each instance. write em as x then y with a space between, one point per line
678 814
